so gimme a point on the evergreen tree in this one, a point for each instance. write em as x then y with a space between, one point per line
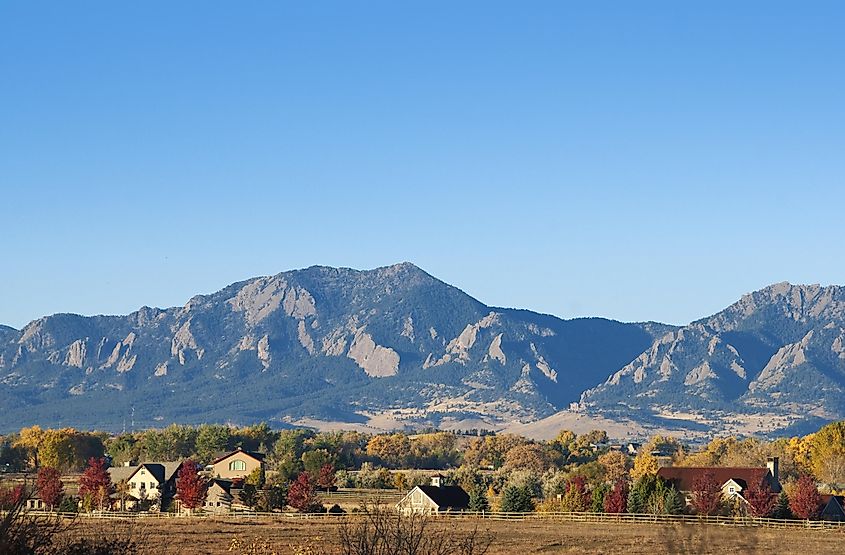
516 499
782 507
600 492
478 501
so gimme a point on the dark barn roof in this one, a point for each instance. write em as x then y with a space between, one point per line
447 497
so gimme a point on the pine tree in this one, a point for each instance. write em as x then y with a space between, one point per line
249 495
782 506
641 493
478 501
600 492
516 499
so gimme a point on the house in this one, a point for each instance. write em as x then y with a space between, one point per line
435 498
733 480
220 497
833 508
237 464
149 483
225 496
34 503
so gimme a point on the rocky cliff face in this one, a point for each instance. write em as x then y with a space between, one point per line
326 343
345 345
779 349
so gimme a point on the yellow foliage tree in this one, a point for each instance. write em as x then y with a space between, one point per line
30 440
827 454
645 464
615 465
392 449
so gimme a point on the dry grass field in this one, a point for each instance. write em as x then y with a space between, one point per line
207 536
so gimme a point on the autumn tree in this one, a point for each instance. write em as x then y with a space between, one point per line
761 500
706 494
191 488
616 501
391 449
530 456
576 498
434 450
616 466
645 464
564 445
49 486
326 478
489 451
29 439
95 486
302 494
12 496
804 500
827 454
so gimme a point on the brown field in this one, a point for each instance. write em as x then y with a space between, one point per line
208 536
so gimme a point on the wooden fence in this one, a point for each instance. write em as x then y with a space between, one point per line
595 518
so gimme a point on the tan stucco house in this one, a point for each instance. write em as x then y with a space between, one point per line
237 464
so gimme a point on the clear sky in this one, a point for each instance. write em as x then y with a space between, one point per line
635 160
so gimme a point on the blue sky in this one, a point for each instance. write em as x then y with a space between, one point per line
635 160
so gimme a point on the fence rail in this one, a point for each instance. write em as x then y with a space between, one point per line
595 518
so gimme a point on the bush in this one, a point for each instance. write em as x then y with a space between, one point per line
387 531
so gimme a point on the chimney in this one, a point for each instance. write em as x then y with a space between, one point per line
435 480
773 464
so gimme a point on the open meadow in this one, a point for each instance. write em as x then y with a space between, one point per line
311 537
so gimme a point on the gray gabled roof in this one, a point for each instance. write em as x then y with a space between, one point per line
162 471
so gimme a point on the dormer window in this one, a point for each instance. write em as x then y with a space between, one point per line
237 465
732 489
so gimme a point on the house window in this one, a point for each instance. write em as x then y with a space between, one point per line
237 465
732 489
132 485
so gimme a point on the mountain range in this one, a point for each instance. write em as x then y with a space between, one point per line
394 347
